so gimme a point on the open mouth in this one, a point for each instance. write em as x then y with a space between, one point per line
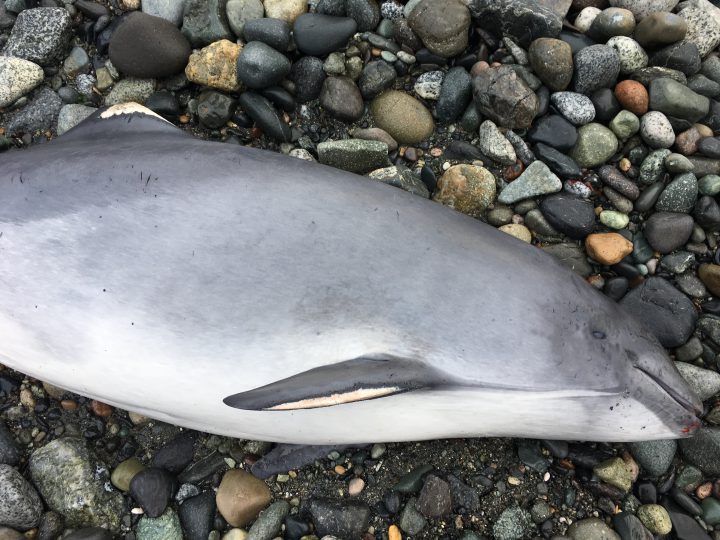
694 407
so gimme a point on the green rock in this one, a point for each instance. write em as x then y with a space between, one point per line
402 116
655 518
591 529
165 527
536 180
66 474
675 99
653 166
268 523
625 125
709 184
688 478
613 219
412 481
711 510
125 472
570 255
514 523
677 164
595 145
615 472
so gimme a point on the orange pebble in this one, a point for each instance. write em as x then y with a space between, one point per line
633 96
68 405
101 409
394 533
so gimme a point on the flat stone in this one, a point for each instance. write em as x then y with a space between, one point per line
354 155
319 35
536 180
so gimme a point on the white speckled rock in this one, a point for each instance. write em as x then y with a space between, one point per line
643 8
632 55
17 78
585 18
702 29
656 130
577 108
427 85
494 145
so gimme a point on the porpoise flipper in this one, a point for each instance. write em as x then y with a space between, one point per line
359 379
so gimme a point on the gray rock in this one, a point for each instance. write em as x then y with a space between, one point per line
536 180
524 20
442 27
702 29
20 505
261 66
455 94
130 89
571 255
9 450
678 262
76 62
692 350
551 59
675 99
70 480
411 521
241 11
71 115
205 21
501 95
401 177
495 145
40 35
655 457
365 12
595 145
165 527
591 529
10 534
704 382
514 523
341 97
656 130
679 195
376 77
268 523
576 108
428 85
703 450
643 8
596 66
17 77
39 114
354 155
170 10
666 311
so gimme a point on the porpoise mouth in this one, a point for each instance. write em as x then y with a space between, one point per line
694 407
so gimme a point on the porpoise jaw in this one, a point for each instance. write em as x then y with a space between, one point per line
250 294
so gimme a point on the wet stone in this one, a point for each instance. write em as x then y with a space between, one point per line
570 215
434 499
679 195
344 519
655 457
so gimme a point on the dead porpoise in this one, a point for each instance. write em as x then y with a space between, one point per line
245 293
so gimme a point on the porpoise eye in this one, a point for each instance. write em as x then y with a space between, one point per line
597 334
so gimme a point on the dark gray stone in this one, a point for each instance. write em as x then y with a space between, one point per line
261 66
344 519
524 20
40 35
597 66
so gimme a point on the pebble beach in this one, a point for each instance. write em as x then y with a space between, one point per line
587 128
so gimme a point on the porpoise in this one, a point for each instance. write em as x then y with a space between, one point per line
255 295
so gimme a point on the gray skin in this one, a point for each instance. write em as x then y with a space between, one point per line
204 284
